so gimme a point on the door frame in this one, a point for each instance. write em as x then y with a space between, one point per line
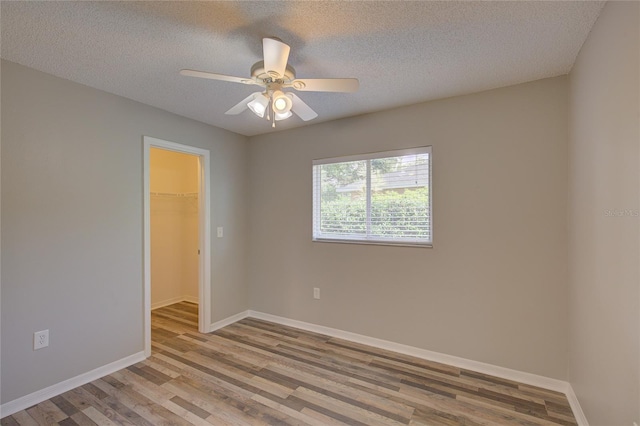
204 229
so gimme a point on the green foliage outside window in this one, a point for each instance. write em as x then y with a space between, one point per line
393 213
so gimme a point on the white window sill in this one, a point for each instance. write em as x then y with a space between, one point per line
373 242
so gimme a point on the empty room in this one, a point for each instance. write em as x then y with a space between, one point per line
320 213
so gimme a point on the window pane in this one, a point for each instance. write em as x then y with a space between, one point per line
374 198
400 197
343 200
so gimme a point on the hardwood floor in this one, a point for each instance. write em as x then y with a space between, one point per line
258 373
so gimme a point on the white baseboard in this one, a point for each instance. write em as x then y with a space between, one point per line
191 299
575 406
37 397
481 367
173 300
228 321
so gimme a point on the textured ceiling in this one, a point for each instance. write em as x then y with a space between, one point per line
402 52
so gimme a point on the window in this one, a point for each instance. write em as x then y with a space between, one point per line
380 198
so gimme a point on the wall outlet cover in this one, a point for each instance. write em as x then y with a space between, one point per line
40 339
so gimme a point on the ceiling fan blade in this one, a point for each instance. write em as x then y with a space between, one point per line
326 84
301 109
276 55
213 76
241 106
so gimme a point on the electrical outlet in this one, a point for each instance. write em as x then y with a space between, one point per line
316 293
40 339
220 231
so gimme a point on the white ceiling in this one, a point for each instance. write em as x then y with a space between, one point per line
402 52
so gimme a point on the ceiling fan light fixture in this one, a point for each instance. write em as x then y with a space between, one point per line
273 74
281 103
259 104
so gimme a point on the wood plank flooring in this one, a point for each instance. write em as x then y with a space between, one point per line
258 373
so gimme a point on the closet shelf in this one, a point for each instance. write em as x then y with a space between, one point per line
175 194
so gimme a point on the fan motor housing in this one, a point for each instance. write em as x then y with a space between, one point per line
258 71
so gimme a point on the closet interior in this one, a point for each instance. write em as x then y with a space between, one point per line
174 187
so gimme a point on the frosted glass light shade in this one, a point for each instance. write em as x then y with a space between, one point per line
283 116
259 104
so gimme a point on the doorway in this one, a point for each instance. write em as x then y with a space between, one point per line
176 230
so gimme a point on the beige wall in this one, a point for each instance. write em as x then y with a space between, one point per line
492 288
604 321
174 226
72 242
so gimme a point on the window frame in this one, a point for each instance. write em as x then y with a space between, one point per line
316 235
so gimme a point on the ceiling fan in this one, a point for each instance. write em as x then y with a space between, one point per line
274 75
